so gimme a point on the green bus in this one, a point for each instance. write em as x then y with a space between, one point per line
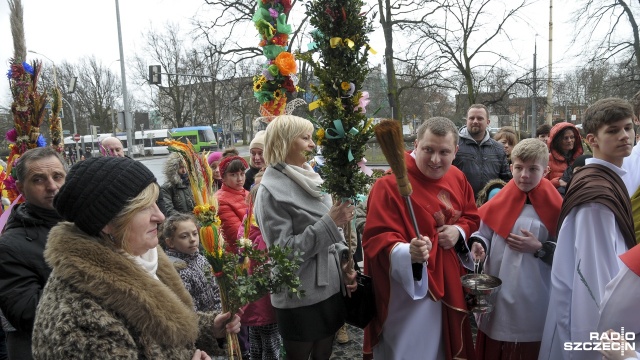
202 137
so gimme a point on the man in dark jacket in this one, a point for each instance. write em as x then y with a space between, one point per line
479 157
40 173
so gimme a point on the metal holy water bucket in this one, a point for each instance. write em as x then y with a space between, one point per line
482 288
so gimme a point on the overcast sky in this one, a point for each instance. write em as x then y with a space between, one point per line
72 29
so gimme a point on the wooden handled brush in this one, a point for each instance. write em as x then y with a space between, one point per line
389 135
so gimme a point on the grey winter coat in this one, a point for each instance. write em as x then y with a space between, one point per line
100 304
289 216
481 162
177 197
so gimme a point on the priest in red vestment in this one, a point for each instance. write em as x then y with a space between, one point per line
421 315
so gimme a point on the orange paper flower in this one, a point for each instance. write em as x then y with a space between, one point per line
286 63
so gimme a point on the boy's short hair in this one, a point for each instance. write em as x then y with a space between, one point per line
604 112
439 126
531 150
544 129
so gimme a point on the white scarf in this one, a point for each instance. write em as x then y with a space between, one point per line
149 262
304 176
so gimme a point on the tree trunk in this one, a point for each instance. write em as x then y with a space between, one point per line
392 84
634 28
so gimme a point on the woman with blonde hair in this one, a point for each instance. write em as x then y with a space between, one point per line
113 293
291 210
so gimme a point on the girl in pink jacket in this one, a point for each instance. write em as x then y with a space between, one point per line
259 315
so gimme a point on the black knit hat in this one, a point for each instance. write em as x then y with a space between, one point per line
97 189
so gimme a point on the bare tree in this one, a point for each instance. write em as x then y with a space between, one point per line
464 31
612 27
234 17
97 92
417 62
179 99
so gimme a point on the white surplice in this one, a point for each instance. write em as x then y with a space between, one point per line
619 307
585 261
632 166
413 329
520 305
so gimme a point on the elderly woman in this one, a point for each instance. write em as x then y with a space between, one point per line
292 211
565 145
113 293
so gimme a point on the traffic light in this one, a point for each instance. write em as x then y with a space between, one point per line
155 76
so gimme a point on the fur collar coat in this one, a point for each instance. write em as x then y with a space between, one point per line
100 304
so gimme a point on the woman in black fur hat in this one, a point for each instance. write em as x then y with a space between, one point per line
113 293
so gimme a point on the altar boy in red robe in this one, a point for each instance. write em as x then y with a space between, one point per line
423 315
518 232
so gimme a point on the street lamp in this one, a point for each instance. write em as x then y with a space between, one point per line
55 77
127 115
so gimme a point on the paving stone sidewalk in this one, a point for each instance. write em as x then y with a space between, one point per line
351 350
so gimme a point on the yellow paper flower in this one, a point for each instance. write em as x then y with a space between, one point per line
345 86
320 136
367 124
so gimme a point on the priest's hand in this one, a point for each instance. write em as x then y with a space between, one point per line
477 251
419 249
524 244
448 236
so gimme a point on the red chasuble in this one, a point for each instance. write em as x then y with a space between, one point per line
446 201
504 209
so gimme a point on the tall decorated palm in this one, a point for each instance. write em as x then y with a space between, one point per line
29 103
340 39
276 85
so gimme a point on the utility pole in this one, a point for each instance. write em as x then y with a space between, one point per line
549 114
534 121
125 98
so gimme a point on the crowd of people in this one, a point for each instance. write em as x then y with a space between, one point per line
101 261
